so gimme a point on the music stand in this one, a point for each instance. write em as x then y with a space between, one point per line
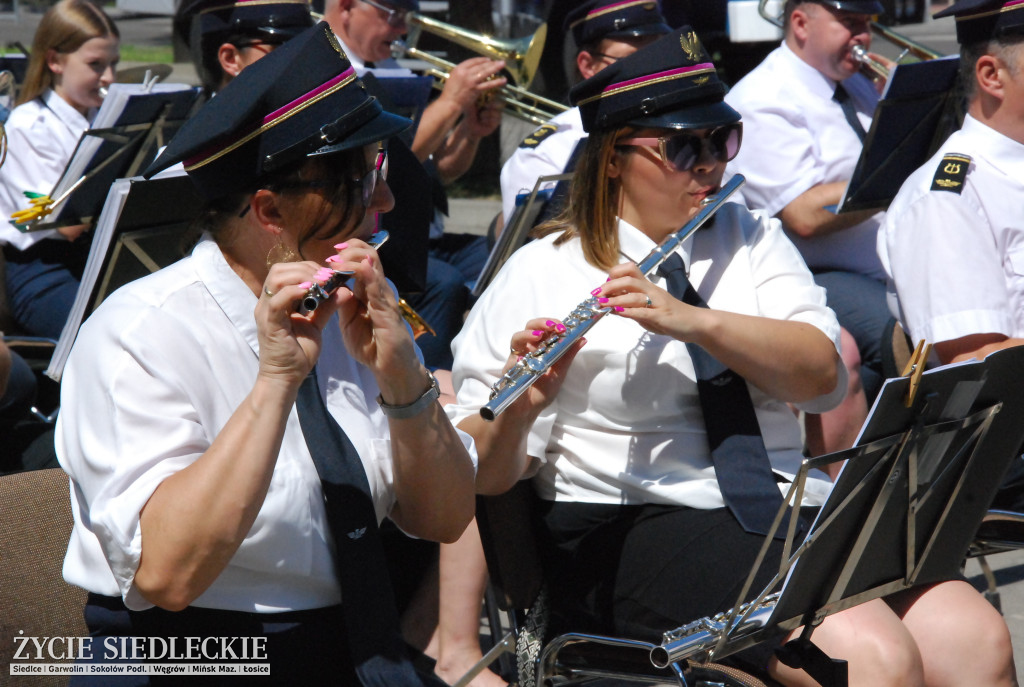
902 512
137 120
516 230
917 112
140 230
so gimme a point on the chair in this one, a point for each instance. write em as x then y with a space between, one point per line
35 599
517 584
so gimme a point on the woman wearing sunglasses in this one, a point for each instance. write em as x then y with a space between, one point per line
231 453
641 525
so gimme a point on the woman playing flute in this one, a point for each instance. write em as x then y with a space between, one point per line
654 493
230 457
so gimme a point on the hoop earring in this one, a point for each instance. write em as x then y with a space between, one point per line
280 253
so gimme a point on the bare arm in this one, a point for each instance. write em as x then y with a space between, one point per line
501 444
456 155
198 517
807 217
466 83
973 346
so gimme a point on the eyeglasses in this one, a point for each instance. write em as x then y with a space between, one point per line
367 183
369 180
393 15
682 150
263 46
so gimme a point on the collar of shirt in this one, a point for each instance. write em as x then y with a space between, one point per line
815 81
999 150
635 245
228 289
71 117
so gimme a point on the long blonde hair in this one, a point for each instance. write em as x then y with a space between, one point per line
591 212
64 28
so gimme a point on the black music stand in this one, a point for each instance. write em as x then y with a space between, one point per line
902 512
140 122
918 111
517 230
141 229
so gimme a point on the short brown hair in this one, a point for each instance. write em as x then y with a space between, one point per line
65 28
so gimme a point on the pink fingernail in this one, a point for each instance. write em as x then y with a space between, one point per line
306 285
619 308
333 259
550 323
595 291
370 258
608 279
341 246
602 300
560 327
537 332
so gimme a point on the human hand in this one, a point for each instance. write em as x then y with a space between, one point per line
631 295
372 327
482 121
289 342
529 342
471 79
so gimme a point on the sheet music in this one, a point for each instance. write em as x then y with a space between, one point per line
101 240
138 231
118 97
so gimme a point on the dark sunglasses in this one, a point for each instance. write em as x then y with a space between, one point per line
681 150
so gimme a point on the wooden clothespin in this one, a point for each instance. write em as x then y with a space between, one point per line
914 370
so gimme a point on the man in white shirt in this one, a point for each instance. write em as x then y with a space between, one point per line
604 32
805 110
952 241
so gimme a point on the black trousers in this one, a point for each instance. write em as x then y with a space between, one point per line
638 571
302 647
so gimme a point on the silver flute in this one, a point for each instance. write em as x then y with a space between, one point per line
531 366
318 293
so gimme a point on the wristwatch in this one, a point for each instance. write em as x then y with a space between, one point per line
416 407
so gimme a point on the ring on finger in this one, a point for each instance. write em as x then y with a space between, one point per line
648 304
268 292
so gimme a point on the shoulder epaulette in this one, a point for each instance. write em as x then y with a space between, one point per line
534 139
951 173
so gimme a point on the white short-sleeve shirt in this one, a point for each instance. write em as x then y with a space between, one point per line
795 137
41 137
627 425
544 152
155 374
955 258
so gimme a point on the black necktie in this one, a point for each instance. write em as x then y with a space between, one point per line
737 449
367 603
842 97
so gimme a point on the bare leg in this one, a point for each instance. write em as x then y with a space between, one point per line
961 636
879 649
463 582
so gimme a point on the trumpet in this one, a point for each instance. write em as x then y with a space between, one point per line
530 367
521 56
873 67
